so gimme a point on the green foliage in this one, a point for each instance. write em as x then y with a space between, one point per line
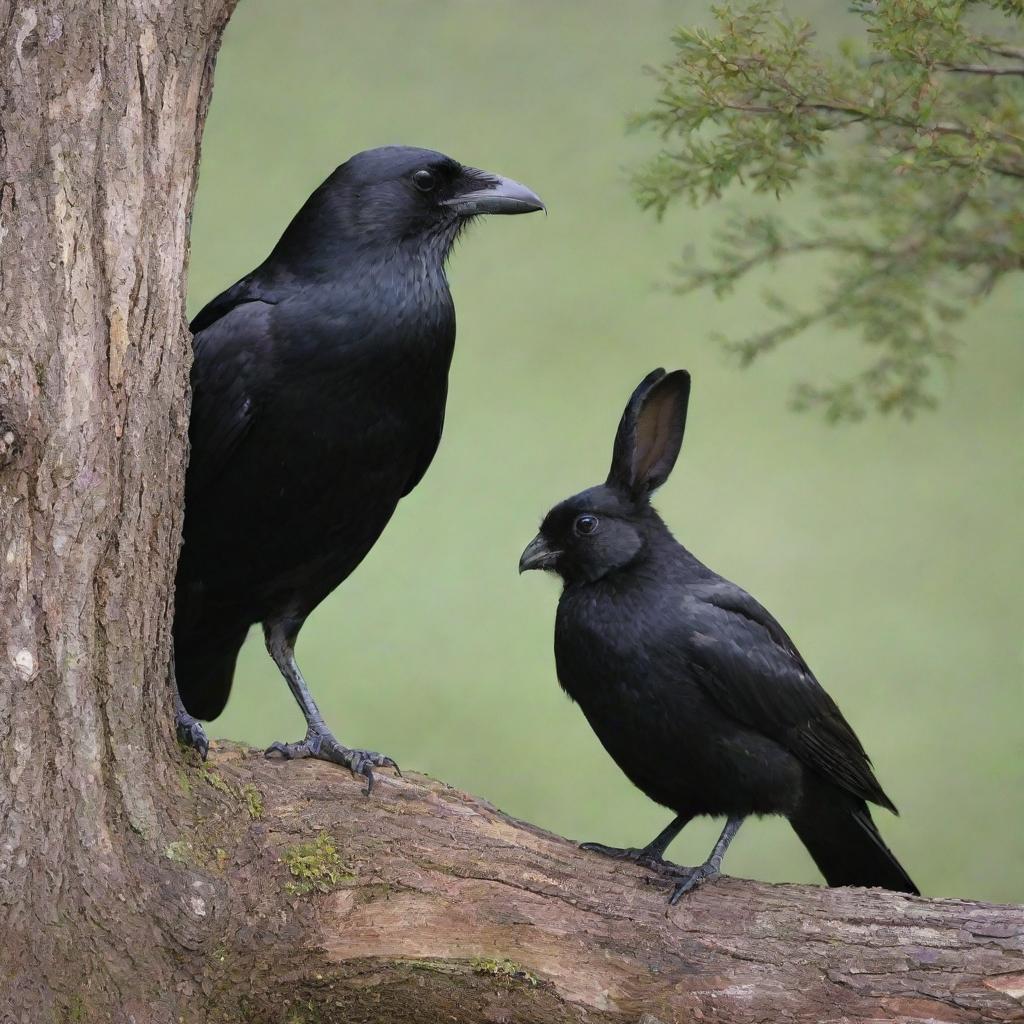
911 136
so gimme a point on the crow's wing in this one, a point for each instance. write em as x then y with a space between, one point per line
230 351
425 455
249 289
749 666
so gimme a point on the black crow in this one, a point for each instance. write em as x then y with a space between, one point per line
319 386
693 688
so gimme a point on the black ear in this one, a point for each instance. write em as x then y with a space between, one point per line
650 433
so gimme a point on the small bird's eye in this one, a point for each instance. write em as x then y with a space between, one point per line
586 525
423 180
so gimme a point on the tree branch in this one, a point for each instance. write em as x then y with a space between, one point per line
981 69
1013 52
436 906
857 114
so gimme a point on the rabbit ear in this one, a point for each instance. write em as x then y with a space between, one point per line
650 433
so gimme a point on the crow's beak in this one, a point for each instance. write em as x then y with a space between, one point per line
538 555
495 195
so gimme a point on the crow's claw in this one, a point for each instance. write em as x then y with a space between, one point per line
690 878
324 747
190 732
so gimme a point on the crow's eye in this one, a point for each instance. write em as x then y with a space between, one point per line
423 180
586 525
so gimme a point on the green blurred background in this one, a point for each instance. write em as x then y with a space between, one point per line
891 552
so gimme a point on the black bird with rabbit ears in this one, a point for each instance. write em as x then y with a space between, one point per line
693 688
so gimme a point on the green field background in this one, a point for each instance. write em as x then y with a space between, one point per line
891 552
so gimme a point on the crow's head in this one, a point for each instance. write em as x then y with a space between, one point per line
398 194
607 528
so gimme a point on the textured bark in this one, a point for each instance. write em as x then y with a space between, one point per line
137 885
101 106
422 903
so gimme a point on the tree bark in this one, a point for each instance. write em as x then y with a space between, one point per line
101 108
137 885
311 902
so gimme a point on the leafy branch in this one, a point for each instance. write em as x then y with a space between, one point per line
911 139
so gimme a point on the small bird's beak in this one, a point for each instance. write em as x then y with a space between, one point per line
538 555
495 195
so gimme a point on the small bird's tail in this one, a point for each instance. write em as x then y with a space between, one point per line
837 829
204 666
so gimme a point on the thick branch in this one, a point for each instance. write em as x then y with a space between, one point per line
440 907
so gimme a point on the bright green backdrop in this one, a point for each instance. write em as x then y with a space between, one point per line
892 553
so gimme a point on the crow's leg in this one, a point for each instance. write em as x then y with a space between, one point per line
690 878
319 741
189 730
653 854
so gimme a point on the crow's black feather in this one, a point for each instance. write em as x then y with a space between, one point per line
319 387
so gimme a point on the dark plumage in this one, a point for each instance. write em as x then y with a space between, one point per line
319 388
693 688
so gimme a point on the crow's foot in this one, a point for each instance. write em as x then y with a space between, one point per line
324 747
646 857
190 732
690 878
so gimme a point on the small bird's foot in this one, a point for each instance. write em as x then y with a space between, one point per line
645 857
190 732
324 747
690 878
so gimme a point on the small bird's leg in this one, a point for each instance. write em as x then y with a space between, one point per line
189 730
653 854
319 741
712 867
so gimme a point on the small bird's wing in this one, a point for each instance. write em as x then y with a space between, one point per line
749 666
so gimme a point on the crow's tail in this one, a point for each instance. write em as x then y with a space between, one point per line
837 829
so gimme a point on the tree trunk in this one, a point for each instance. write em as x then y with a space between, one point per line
137 885
101 108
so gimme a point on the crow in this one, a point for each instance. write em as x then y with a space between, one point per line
318 396
696 692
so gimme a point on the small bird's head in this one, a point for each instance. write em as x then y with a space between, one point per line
609 527
396 194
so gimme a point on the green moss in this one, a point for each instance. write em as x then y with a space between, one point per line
211 776
253 800
180 850
505 970
316 866
305 1012
186 786
75 1011
434 966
